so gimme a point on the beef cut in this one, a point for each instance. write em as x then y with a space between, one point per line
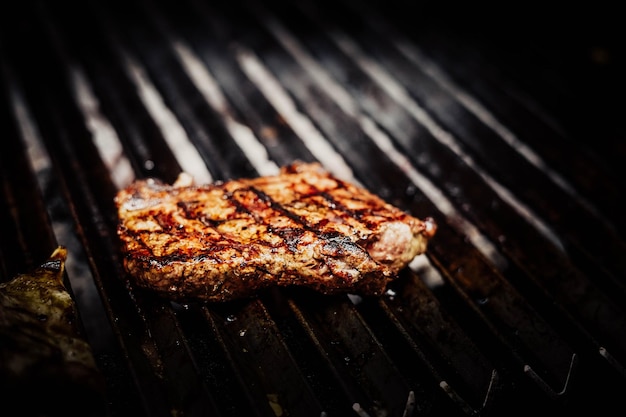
227 240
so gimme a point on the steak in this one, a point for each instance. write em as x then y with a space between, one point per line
227 240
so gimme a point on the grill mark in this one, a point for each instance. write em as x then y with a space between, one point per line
170 229
338 242
344 212
293 216
190 214
290 236
281 209
166 222
214 225
136 236
211 223
175 256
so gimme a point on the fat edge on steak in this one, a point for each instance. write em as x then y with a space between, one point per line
227 240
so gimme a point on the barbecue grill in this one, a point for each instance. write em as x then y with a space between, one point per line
507 135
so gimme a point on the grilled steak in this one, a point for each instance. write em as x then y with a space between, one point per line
226 240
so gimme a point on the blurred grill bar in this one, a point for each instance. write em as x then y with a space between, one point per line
518 306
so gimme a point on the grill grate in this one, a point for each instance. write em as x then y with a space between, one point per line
516 308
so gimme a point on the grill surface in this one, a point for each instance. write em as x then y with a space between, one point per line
508 136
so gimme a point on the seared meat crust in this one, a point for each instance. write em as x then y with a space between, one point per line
227 240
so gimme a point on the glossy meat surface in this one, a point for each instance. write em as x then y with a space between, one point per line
226 240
